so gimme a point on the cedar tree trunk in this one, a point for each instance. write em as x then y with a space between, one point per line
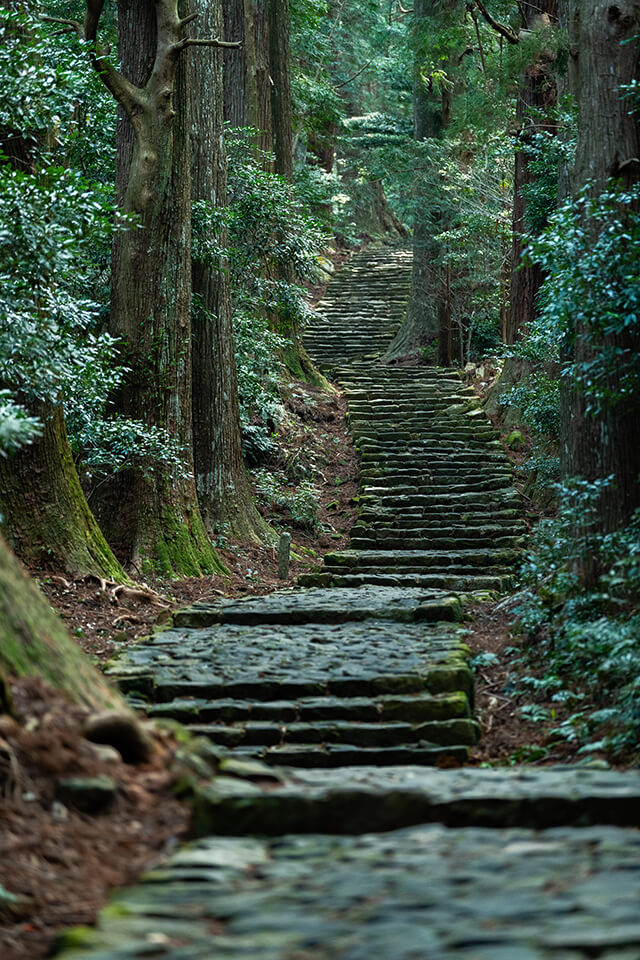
226 502
154 518
34 642
426 322
46 517
604 59
537 94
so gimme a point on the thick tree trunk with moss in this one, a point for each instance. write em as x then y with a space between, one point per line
155 518
226 501
34 642
604 61
537 95
425 311
46 517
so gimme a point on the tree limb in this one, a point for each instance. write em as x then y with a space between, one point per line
509 35
211 42
71 25
127 95
353 77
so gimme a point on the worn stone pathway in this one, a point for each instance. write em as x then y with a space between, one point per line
324 713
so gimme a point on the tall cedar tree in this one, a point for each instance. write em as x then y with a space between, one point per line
537 95
154 519
603 46
427 323
223 489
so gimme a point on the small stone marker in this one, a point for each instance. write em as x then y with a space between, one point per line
284 556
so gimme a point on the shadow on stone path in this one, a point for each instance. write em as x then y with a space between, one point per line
327 709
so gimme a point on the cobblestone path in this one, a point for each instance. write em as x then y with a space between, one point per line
324 713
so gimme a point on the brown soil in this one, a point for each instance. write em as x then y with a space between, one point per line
59 863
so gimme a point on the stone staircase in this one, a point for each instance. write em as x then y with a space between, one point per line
437 504
362 309
382 857
310 679
374 673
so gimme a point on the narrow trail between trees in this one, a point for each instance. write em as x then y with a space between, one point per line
341 822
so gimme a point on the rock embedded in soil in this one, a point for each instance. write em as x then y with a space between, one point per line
87 794
124 732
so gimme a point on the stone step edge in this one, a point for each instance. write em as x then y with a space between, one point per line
369 801
446 610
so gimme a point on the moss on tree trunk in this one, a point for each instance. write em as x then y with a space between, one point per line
46 517
34 642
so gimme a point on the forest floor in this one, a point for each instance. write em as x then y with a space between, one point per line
60 863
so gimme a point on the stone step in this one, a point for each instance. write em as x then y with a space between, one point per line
322 606
385 799
375 486
418 559
322 733
414 708
564 890
349 755
417 517
463 501
458 527
455 582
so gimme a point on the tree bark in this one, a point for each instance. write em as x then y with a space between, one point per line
240 82
34 642
280 59
603 59
46 518
225 498
537 94
155 519
264 79
426 313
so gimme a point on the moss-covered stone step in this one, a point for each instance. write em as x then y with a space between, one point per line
412 708
324 732
164 684
330 755
417 559
454 581
402 485
384 799
425 891
375 540
323 606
